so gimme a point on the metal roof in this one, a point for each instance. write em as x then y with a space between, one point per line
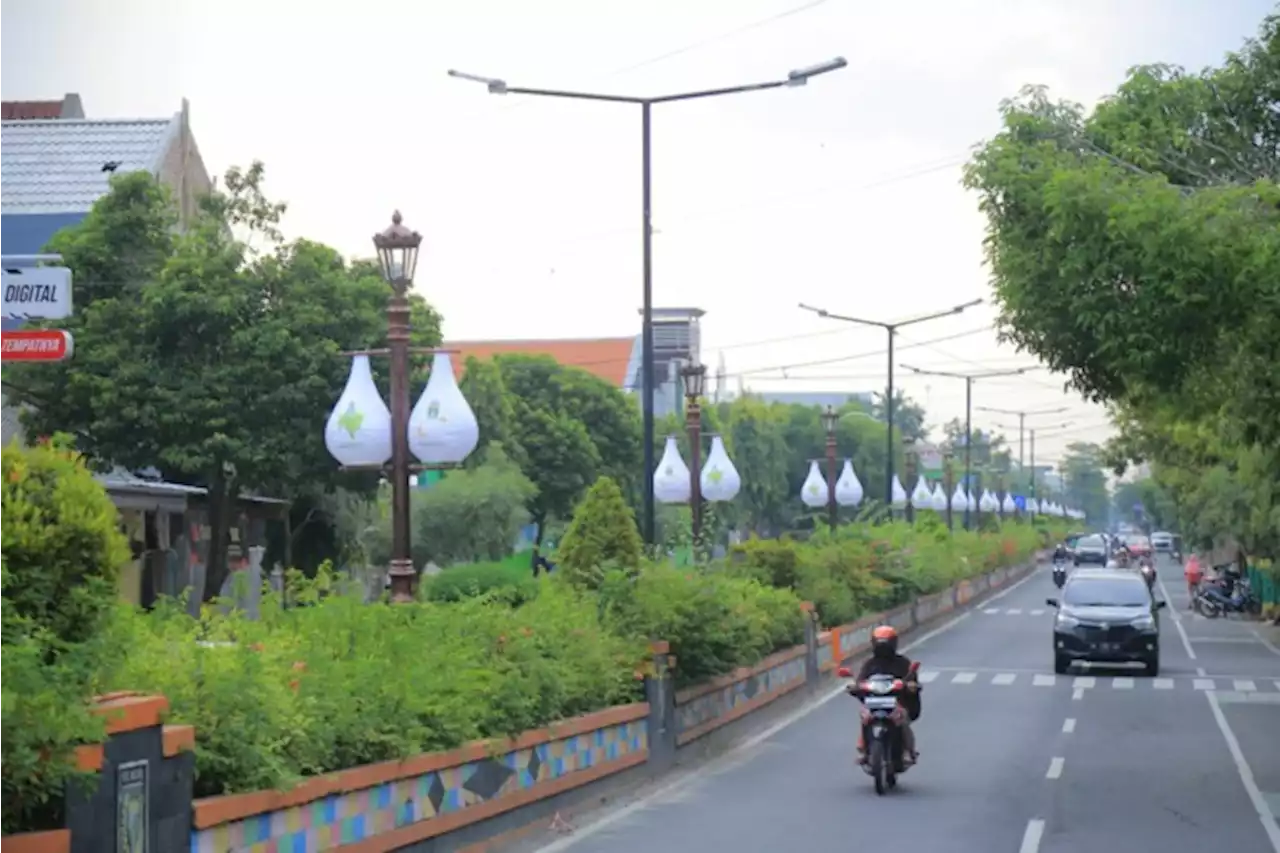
57 166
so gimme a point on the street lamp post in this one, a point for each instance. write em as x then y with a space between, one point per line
892 330
830 420
798 77
694 376
968 418
1022 422
397 248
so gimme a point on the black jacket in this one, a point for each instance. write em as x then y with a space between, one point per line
899 666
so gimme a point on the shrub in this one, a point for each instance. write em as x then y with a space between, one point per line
512 580
62 553
602 534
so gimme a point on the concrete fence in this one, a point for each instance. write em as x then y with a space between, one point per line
467 799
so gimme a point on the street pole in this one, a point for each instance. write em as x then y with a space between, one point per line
694 376
401 568
830 420
1033 463
892 330
497 86
968 416
1022 426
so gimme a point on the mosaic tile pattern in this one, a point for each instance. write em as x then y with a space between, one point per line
355 816
720 702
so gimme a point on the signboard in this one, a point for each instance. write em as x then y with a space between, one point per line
1020 502
36 293
36 345
133 796
930 457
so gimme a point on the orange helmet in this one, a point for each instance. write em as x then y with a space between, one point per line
884 641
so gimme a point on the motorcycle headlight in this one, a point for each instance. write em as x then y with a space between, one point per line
1144 623
1066 620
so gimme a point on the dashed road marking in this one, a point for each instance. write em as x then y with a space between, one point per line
1244 685
1031 838
1004 679
1037 612
1014 611
964 678
991 611
1203 684
1044 680
1162 683
1055 768
1068 725
927 677
1084 682
1122 683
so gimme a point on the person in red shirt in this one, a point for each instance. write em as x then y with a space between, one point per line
1194 573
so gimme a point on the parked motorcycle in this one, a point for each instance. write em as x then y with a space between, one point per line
882 719
1217 597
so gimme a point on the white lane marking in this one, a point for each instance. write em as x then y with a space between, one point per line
1244 685
1084 681
1077 694
1200 671
1122 684
1037 612
1044 680
1068 725
1203 684
964 678
1031 838
1277 685
735 754
1177 621
927 677
1269 824
991 611
1162 683
1267 643
1055 768
1004 679
1014 611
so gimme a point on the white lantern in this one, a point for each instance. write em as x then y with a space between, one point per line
442 428
1008 506
720 480
958 499
671 483
938 501
848 487
1033 506
969 503
898 493
358 433
921 497
987 503
814 491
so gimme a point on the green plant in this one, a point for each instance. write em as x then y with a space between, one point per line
511 579
62 555
602 534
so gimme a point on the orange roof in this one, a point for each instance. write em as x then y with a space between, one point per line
29 110
606 358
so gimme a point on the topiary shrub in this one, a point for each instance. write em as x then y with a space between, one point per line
62 556
602 533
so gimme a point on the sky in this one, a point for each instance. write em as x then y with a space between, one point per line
844 194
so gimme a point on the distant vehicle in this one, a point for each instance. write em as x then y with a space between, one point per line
1162 541
1139 546
1091 550
1106 616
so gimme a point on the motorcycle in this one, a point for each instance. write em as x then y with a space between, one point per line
1059 571
1148 572
1213 599
882 719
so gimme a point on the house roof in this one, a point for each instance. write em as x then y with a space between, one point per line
607 358
57 165
69 107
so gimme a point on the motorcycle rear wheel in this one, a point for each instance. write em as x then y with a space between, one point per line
1208 609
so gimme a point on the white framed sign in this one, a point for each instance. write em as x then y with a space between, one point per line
36 293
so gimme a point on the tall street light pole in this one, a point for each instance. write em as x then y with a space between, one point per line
831 420
694 376
497 86
968 415
1022 423
892 330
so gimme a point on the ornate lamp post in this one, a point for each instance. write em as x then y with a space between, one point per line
695 377
831 420
362 433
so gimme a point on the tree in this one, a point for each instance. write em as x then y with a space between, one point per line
601 535
1084 480
486 392
209 358
908 415
561 461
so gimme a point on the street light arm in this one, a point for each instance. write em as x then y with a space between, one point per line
922 372
824 313
498 86
958 309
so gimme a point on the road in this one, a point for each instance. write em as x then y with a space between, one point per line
1013 758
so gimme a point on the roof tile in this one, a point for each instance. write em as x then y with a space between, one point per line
28 110
607 358
57 166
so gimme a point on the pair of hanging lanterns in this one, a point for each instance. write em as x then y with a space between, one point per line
673 483
815 493
442 428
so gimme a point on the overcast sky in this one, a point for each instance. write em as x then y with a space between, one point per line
844 194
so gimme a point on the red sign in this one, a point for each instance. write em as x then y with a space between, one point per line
38 345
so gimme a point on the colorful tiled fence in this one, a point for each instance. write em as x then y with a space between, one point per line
456 799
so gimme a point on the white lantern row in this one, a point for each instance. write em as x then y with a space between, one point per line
814 493
442 428
719 479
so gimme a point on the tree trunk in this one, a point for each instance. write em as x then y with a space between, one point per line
540 522
221 491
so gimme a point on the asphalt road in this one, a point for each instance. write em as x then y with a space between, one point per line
1013 758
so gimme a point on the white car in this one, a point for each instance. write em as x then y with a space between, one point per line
1162 541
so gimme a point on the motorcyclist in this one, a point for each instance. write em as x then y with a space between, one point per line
1060 554
885 660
